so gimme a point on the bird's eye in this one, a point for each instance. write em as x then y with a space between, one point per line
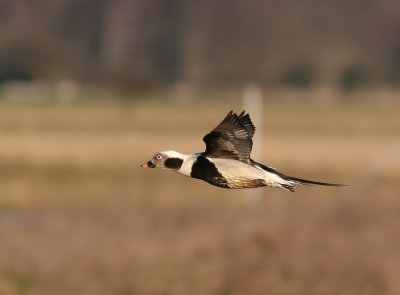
158 157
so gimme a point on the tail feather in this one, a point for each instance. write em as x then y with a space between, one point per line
288 187
288 182
307 182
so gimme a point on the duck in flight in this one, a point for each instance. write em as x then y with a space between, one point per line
226 161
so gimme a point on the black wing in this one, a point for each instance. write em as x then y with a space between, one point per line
232 138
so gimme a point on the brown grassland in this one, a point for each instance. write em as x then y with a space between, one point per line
78 215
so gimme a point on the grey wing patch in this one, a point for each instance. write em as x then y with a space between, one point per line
232 138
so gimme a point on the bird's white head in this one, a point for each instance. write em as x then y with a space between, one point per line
166 159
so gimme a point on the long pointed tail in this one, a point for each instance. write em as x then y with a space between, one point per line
288 182
307 182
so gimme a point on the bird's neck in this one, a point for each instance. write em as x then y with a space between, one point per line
187 164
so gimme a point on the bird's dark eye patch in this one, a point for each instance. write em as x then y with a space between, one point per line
173 163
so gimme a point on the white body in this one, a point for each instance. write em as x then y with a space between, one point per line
234 170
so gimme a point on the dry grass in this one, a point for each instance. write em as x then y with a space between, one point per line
78 215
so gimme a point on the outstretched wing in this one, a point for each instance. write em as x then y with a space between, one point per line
232 138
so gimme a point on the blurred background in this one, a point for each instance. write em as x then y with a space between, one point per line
89 90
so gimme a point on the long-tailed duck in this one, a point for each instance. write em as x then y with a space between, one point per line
226 162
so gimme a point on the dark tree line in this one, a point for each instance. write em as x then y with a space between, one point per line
299 43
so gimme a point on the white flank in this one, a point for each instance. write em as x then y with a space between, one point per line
236 169
232 169
275 180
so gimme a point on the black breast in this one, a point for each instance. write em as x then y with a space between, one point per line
204 169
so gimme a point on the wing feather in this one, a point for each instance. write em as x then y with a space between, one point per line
232 138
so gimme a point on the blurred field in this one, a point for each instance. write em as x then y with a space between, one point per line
78 215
